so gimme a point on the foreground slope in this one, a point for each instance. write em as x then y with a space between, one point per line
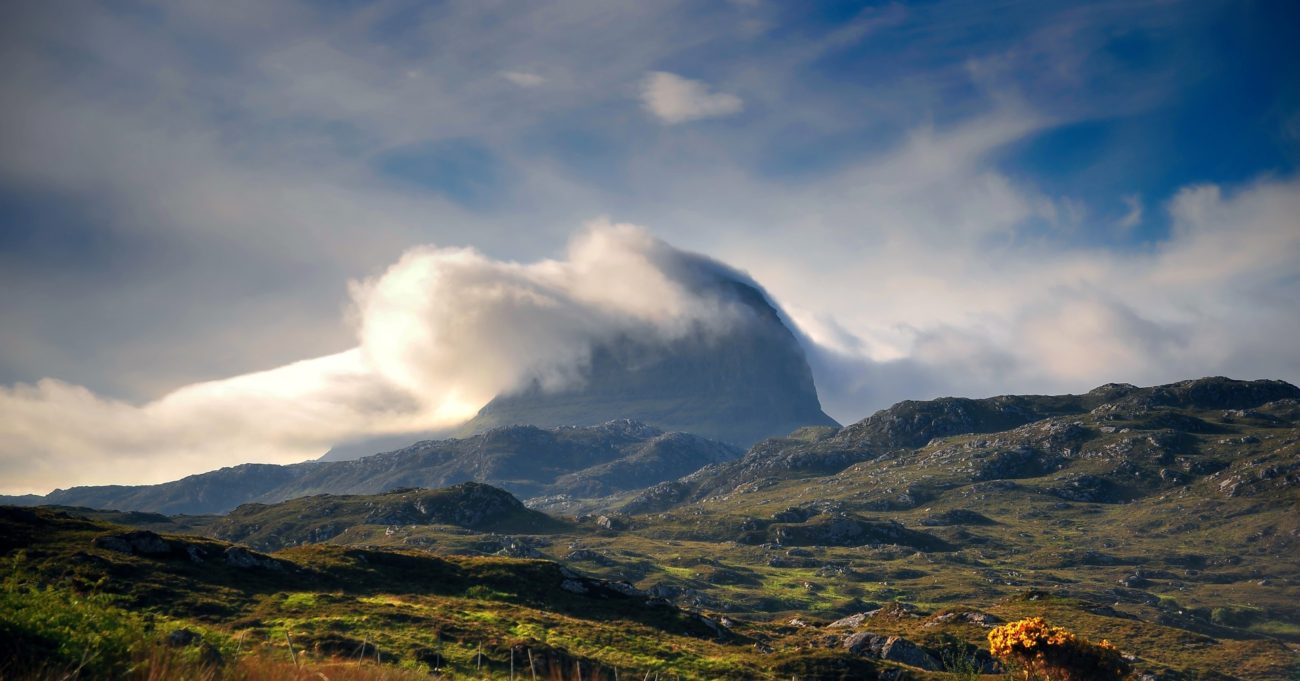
452 614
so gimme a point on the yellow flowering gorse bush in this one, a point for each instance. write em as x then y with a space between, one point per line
1051 653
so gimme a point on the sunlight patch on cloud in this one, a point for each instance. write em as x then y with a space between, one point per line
674 99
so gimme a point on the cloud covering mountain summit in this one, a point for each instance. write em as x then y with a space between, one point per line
440 333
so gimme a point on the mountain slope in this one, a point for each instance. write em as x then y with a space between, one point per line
912 424
527 461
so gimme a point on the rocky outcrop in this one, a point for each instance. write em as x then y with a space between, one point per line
843 529
1021 462
140 542
892 649
657 498
242 558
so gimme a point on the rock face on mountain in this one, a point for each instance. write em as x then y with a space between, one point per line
741 385
526 460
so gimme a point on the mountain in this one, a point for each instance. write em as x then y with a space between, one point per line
367 445
739 385
526 460
21 499
912 424
748 382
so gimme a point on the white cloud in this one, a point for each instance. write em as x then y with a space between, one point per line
920 272
674 99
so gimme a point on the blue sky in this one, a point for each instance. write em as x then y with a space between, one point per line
950 197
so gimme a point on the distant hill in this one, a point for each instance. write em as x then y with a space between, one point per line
526 460
912 424
306 520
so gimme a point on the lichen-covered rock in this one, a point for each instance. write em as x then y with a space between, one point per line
850 622
612 523
898 649
891 648
976 617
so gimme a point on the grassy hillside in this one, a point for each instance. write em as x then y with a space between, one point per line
1161 519
309 520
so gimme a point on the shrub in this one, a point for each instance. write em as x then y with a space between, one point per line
1048 653
60 629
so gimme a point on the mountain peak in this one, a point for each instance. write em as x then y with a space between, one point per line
741 384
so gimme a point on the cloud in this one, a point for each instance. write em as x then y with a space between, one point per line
1133 217
523 78
924 270
674 99
1215 296
440 333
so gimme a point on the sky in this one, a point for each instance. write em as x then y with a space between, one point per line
247 230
